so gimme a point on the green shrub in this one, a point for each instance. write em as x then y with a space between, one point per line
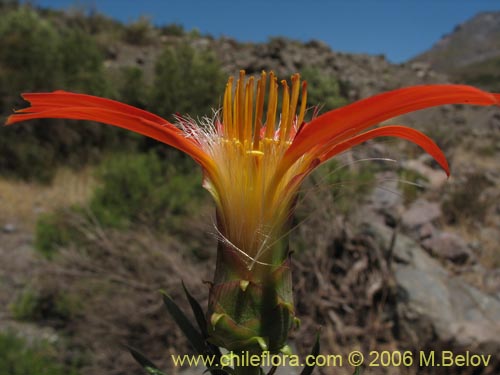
38 55
53 231
132 88
194 34
410 184
173 29
46 304
25 305
19 358
135 188
187 82
8 4
144 189
24 156
82 63
86 19
29 58
324 90
139 32
42 51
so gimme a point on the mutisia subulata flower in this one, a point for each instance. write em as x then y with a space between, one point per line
254 157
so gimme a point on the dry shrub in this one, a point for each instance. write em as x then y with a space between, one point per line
345 288
467 202
343 285
117 277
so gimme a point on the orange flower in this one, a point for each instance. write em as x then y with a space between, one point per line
253 165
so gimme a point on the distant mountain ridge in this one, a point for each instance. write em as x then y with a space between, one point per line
470 54
473 41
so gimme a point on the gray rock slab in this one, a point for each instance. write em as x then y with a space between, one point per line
420 213
434 304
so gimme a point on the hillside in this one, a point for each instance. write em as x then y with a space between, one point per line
389 254
470 53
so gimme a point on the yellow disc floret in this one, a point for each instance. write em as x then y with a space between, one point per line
247 149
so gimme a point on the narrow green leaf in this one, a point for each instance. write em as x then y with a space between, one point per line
357 371
149 366
314 352
202 323
197 311
214 350
195 338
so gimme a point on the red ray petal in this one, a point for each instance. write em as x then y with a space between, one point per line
57 99
86 107
342 123
403 132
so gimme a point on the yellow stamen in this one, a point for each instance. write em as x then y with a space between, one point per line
248 110
285 108
241 105
255 153
293 104
259 103
227 113
243 114
272 106
248 161
303 103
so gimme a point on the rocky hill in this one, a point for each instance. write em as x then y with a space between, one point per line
470 53
361 74
411 263
475 40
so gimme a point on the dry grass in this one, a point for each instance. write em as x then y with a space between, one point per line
463 157
22 202
115 276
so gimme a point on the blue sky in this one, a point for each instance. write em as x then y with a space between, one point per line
399 29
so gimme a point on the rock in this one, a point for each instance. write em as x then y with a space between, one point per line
9 228
427 231
111 52
492 281
318 45
387 195
420 213
434 306
33 334
418 65
449 246
386 198
494 122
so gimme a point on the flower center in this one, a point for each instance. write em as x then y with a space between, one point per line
260 119
244 118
